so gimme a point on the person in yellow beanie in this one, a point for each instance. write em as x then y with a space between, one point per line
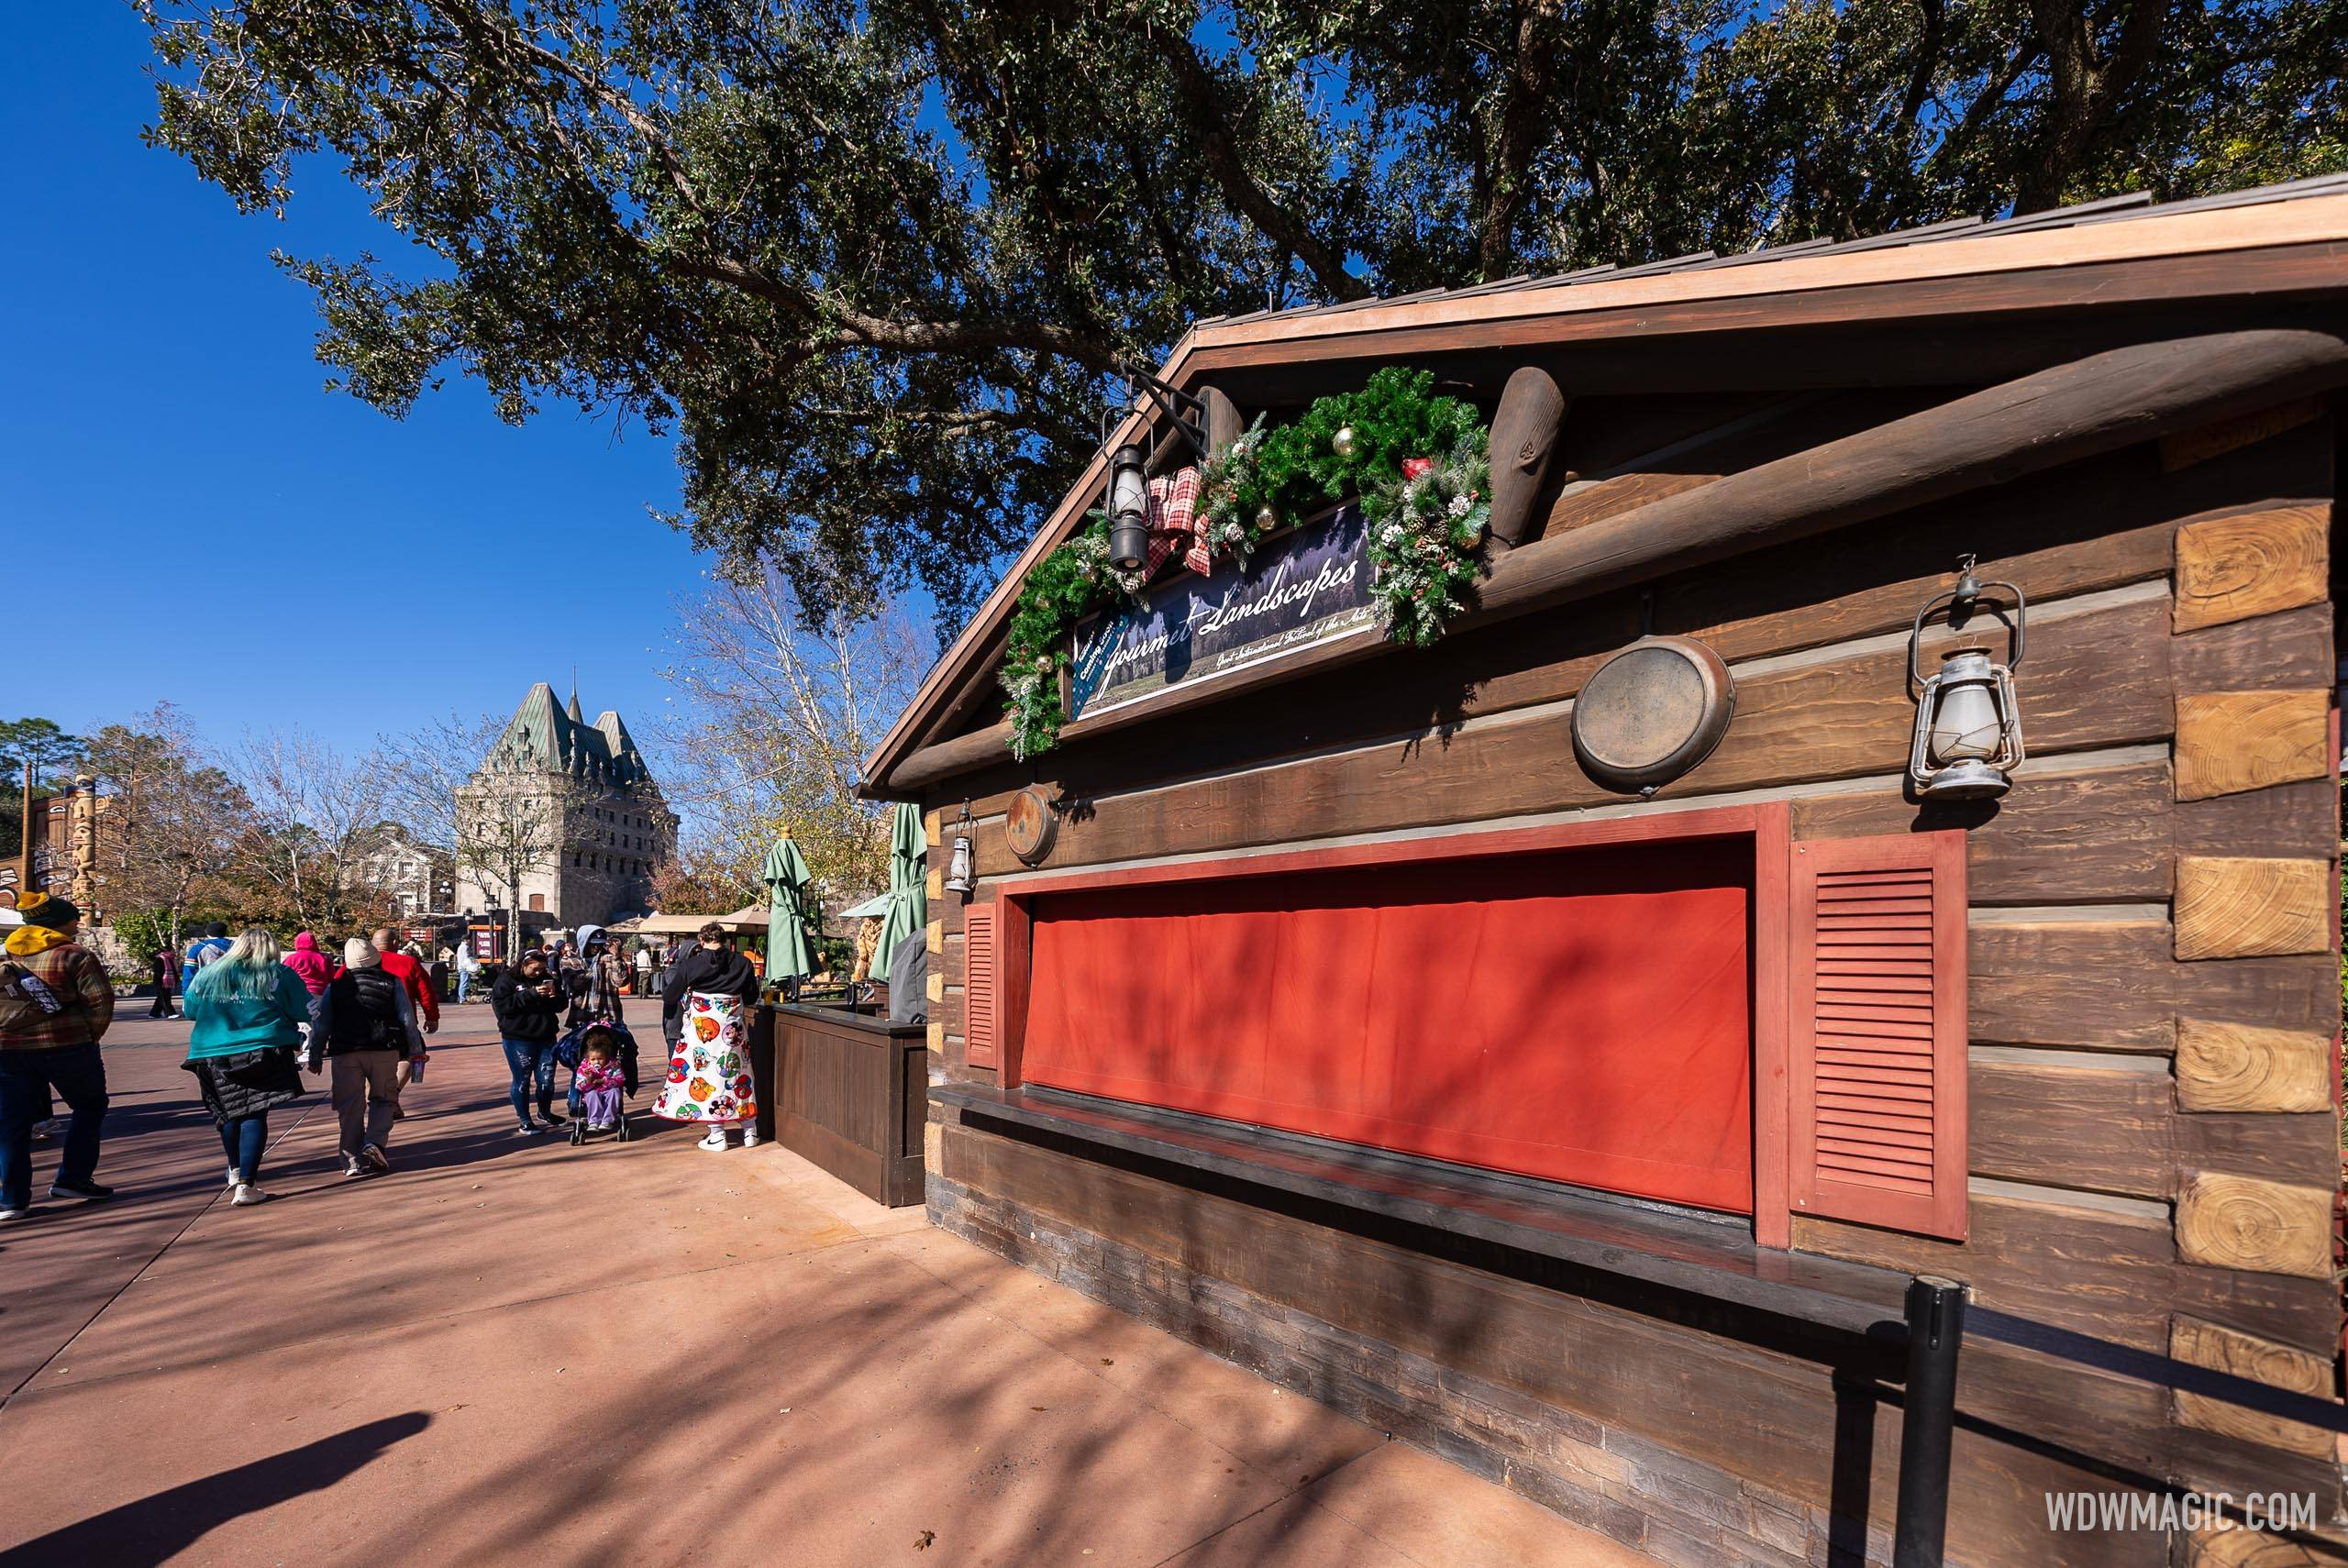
56 1002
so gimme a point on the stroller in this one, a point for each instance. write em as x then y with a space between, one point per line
571 1050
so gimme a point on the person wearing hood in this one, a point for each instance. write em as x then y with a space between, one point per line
56 1004
163 973
202 951
314 968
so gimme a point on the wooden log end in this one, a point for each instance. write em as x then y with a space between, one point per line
1220 421
2262 1361
2245 1223
2228 741
2242 1066
1526 427
2255 563
2242 906
2233 1546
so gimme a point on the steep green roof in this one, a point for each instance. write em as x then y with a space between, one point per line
544 736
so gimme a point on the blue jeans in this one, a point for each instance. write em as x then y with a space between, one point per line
464 983
244 1137
528 1059
25 1077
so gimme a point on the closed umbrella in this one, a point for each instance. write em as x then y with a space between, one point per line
788 898
908 893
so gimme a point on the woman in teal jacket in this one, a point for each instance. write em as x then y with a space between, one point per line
250 1011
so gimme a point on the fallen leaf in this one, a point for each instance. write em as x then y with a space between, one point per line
1038 1407
1106 1362
922 1541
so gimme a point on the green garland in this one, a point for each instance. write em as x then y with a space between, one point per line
1270 479
1069 583
1422 540
1423 527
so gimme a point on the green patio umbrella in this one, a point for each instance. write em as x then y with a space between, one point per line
908 913
788 900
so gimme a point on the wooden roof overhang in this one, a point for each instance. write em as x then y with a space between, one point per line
2010 302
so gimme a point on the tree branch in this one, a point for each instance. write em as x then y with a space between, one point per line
1195 94
1524 100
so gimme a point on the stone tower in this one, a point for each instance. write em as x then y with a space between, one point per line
563 818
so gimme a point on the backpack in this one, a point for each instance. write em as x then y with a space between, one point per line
22 987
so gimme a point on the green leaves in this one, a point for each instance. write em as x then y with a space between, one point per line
870 261
1069 583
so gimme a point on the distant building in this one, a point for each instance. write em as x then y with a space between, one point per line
418 878
563 818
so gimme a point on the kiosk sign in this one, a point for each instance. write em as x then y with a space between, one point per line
1305 587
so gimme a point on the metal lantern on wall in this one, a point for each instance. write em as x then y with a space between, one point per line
959 871
1128 509
1968 721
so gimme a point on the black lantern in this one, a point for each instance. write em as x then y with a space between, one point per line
1128 509
1968 721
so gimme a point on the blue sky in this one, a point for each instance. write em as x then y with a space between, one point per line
188 514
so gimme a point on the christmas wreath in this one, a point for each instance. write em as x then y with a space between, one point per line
1069 583
1417 462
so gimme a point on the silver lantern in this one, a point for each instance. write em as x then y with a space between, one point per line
1968 721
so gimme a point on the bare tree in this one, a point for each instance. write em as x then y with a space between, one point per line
319 824
773 727
425 768
174 821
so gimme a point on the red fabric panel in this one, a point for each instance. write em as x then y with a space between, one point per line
1581 1015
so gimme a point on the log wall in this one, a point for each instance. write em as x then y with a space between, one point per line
2153 990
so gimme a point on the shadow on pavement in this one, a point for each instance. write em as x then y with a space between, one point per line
155 1528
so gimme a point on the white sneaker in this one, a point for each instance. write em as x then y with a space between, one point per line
750 1137
717 1139
247 1194
233 1177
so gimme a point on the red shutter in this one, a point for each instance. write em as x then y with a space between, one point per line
1877 1042
981 987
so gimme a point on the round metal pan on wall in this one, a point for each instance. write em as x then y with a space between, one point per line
1030 824
1652 712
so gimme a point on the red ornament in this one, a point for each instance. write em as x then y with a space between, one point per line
1414 466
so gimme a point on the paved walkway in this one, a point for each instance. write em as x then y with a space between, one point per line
511 1350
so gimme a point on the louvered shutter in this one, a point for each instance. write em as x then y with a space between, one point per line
1877 1042
981 987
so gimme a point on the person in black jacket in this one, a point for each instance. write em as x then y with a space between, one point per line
528 1005
713 966
364 1024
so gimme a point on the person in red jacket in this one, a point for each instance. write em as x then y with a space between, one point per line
420 993
410 975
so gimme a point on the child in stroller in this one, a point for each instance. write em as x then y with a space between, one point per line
604 1051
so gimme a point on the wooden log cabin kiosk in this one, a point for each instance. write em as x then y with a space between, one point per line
1581 1116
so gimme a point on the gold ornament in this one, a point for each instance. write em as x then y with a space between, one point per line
1343 442
1266 518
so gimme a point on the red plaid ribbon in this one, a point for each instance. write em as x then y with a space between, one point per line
1174 522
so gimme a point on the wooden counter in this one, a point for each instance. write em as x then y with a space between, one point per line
849 1091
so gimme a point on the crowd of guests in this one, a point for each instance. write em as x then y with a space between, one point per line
262 1015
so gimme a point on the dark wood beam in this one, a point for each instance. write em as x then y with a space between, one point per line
2097 404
